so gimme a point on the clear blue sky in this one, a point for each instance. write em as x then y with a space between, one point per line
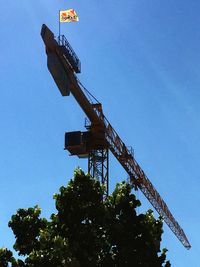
141 59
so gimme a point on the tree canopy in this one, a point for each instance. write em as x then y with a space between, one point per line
87 230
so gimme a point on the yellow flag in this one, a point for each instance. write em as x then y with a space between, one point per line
68 15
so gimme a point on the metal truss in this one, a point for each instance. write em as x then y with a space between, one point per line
98 166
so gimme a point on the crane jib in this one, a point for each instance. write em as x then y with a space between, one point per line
63 65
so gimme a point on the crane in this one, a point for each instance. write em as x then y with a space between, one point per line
100 137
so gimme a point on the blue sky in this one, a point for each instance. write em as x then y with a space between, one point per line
141 59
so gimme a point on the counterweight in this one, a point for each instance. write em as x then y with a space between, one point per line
100 135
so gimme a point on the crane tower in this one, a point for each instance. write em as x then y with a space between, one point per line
99 137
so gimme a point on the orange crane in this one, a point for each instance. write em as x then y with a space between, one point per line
100 136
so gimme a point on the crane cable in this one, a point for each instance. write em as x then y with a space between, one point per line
90 96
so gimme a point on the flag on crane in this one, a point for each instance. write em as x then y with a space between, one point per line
68 15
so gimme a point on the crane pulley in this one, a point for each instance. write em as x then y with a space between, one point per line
100 137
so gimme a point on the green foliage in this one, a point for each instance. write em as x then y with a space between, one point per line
26 226
81 217
87 230
7 259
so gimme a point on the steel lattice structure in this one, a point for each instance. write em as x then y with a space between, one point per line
98 161
101 137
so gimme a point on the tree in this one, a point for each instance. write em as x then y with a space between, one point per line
87 230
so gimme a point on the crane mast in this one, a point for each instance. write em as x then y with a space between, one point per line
100 136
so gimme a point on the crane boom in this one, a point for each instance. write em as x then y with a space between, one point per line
114 142
138 177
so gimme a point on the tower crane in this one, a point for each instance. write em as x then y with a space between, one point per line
100 137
